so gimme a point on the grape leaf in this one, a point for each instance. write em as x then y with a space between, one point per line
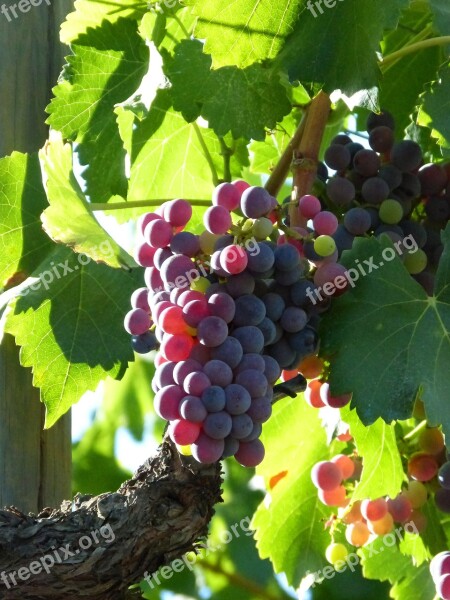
403 342
68 219
384 562
382 473
348 61
290 530
174 28
91 13
107 67
188 71
262 102
441 10
69 325
436 105
22 199
171 158
245 31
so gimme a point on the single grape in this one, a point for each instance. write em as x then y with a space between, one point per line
250 454
222 305
217 219
391 212
255 202
381 138
167 402
218 372
193 409
373 510
337 157
158 233
250 310
336 497
242 426
416 262
422 466
391 175
184 432
250 338
433 179
176 347
375 190
341 191
286 257
357 534
212 331
185 243
440 565
366 163
253 381
217 425
262 228
309 206
207 450
381 526
137 321
260 257
139 299
227 195
326 475
333 401
238 399
324 245
345 464
325 223
336 553
214 399
357 221
144 343
260 410
443 587
237 285
416 493
406 155
233 259
230 351
196 383
444 476
293 319
400 508
381 119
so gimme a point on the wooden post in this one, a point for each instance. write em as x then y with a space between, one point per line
35 465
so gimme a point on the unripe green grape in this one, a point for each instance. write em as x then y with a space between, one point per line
335 553
391 212
200 285
262 228
415 263
324 245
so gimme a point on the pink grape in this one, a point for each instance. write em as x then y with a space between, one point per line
217 219
206 450
326 475
176 347
309 206
440 565
443 587
145 219
182 369
241 186
325 223
137 321
152 278
374 510
178 213
226 195
167 402
196 383
158 233
184 432
233 259
195 312
144 255
188 296
139 299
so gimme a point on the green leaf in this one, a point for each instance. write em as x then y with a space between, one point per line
262 102
382 474
384 562
175 28
169 156
22 199
436 105
91 13
337 46
68 219
245 31
404 81
188 71
441 11
69 325
107 67
290 530
386 338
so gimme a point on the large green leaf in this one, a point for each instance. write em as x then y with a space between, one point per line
69 325
172 158
68 219
382 473
107 67
337 46
290 529
23 244
436 106
243 101
245 31
441 10
384 562
91 13
386 338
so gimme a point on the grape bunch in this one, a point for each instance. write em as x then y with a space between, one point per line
229 310
385 189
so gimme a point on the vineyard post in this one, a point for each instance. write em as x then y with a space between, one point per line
35 464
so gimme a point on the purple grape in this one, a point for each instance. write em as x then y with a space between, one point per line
139 299
250 310
193 409
287 257
230 352
144 343
255 434
212 331
391 175
269 331
206 450
406 155
185 243
184 368
382 119
272 369
214 399
381 139
341 191
433 179
357 221
161 255
231 447
255 202
253 381
137 321
250 338
218 372
222 305
226 195
238 399
282 352
274 304
293 319
375 190
217 219
242 426
218 425
164 374
337 157
260 258
366 163
251 361
176 269
442 500
238 285
444 476
250 454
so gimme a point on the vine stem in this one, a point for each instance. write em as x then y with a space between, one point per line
394 56
307 154
416 430
141 204
281 170
239 581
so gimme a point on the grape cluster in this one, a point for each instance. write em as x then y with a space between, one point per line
229 310
386 190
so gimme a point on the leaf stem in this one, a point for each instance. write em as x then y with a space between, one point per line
281 170
307 154
107 206
227 154
206 153
416 430
394 56
239 581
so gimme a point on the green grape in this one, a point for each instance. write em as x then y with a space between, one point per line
200 285
262 228
324 245
391 212
416 262
335 553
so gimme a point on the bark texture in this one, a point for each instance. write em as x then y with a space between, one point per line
155 517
